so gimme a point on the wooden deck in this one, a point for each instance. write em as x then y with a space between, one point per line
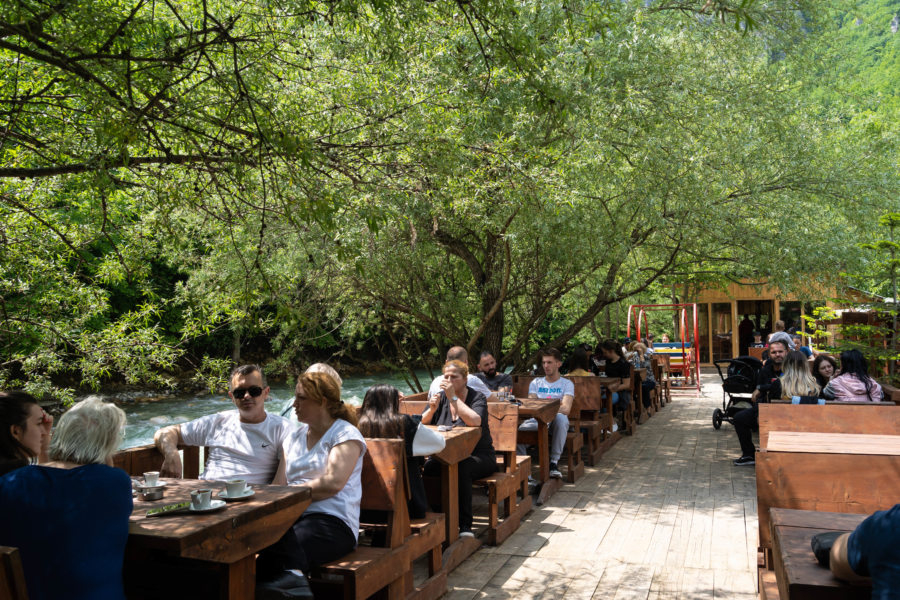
665 514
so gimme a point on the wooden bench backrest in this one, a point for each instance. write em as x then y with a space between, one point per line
420 397
413 408
12 577
834 417
383 485
140 459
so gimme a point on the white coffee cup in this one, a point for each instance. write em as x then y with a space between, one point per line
151 478
235 488
200 499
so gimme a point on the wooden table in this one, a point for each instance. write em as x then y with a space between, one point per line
798 574
193 547
460 443
543 411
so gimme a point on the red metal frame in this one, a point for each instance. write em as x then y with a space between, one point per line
690 360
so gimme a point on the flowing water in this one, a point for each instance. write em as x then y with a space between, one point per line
148 411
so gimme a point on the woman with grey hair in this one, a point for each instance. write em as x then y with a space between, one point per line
69 516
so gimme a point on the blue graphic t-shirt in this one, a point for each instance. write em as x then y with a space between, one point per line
541 388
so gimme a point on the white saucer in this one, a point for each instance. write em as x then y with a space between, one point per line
159 485
214 505
224 495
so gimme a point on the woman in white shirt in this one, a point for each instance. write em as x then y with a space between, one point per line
325 454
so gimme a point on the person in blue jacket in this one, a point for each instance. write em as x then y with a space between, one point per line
69 517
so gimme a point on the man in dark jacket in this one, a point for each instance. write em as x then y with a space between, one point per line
748 419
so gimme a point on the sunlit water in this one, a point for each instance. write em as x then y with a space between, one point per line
148 411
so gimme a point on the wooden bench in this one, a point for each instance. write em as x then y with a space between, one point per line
592 415
368 569
12 577
664 380
824 480
574 439
140 459
507 483
662 389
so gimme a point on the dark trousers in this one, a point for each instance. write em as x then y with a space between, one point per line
744 423
472 468
646 388
313 540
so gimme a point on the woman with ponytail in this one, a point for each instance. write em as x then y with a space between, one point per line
325 454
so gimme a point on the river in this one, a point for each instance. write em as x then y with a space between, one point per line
148 411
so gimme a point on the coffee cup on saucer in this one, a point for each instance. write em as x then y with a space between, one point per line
235 488
151 478
200 499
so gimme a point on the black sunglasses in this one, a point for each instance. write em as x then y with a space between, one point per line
253 390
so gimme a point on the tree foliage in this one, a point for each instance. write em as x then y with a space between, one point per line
179 178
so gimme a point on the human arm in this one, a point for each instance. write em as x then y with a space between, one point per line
566 404
341 462
281 472
465 412
46 426
167 440
431 409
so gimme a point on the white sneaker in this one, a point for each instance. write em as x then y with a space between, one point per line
466 534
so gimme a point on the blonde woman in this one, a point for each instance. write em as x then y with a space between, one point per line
797 379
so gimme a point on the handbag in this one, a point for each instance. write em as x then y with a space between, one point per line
427 441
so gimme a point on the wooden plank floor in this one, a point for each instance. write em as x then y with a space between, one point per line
665 515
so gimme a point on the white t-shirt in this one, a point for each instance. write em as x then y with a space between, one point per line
473 382
236 449
552 391
304 465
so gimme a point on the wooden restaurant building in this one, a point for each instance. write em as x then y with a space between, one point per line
728 315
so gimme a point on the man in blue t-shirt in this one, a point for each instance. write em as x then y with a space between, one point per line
871 551
554 387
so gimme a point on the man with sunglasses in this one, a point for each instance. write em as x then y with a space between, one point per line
242 443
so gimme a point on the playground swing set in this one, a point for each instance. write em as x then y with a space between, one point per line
684 358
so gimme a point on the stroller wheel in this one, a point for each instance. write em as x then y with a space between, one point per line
718 415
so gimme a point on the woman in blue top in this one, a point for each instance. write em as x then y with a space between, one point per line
69 517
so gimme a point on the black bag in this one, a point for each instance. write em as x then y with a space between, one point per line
821 546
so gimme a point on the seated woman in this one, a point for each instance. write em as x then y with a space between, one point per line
325 454
796 380
641 360
379 417
69 517
457 404
579 363
854 383
823 369
24 431
618 367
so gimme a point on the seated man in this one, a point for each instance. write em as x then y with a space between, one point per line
554 387
487 373
798 344
242 443
748 419
459 353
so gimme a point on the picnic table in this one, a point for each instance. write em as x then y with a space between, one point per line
215 551
543 411
798 574
461 441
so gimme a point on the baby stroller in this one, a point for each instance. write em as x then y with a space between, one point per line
738 382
